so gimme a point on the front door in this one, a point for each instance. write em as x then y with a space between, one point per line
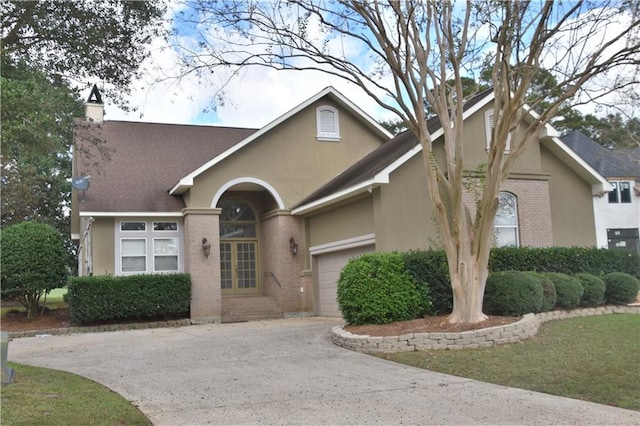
238 247
238 270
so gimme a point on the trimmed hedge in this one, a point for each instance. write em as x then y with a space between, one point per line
549 296
594 289
376 288
621 288
512 293
429 267
568 289
567 260
105 298
430 270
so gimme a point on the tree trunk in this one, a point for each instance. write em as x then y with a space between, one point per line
468 282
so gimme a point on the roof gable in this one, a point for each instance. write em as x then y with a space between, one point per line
187 181
375 168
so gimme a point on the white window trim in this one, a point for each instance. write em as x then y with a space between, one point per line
617 189
517 224
488 122
153 254
149 235
146 253
327 136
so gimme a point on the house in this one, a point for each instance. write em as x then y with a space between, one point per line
617 213
264 219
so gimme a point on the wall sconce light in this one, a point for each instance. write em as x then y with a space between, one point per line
293 246
206 247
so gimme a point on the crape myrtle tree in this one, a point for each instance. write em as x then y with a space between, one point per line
412 57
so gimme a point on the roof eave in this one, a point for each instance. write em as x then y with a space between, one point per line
599 184
339 196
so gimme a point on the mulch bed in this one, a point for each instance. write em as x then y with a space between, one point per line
436 324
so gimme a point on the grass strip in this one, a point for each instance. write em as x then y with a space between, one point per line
589 358
41 396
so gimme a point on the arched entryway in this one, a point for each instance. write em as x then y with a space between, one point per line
239 260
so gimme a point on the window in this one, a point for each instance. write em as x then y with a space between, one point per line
506 222
488 125
328 127
621 192
165 254
134 254
165 226
147 247
133 226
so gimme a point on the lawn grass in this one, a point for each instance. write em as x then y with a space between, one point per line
54 300
594 359
40 396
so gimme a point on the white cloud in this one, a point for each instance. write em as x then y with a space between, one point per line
253 98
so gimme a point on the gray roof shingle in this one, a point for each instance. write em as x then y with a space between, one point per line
147 159
605 161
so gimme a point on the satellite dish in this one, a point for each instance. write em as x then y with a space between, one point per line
80 183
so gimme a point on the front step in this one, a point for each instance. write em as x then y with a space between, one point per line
249 308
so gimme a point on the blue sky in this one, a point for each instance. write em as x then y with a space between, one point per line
253 98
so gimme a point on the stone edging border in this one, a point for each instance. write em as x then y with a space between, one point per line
99 328
521 330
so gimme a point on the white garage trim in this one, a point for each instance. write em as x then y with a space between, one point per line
363 240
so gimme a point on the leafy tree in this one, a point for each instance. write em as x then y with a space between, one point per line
82 39
47 45
32 263
413 54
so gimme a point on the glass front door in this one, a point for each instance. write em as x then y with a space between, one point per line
238 267
238 247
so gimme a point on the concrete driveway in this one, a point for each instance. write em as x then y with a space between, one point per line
288 372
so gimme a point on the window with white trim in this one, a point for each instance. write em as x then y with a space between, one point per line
488 126
506 222
148 247
621 192
327 123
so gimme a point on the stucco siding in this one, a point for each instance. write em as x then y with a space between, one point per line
572 215
290 158
102 235
341 223
404 218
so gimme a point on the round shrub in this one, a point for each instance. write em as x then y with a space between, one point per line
594 289
33 262
568 289
549 296
621 288
512 293
376 288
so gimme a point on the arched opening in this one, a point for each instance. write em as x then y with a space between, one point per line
239 262
506 221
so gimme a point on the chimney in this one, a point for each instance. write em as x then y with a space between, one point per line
94 108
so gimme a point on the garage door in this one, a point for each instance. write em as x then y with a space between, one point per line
329 266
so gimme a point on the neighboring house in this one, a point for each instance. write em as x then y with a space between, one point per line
265 219
617 213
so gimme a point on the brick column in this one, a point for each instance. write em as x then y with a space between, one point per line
206 296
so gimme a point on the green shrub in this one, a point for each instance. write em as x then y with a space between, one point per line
594 289
621 288
105 298
549 296
377 289
429 268
33 262
512 293
567 260
568 289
